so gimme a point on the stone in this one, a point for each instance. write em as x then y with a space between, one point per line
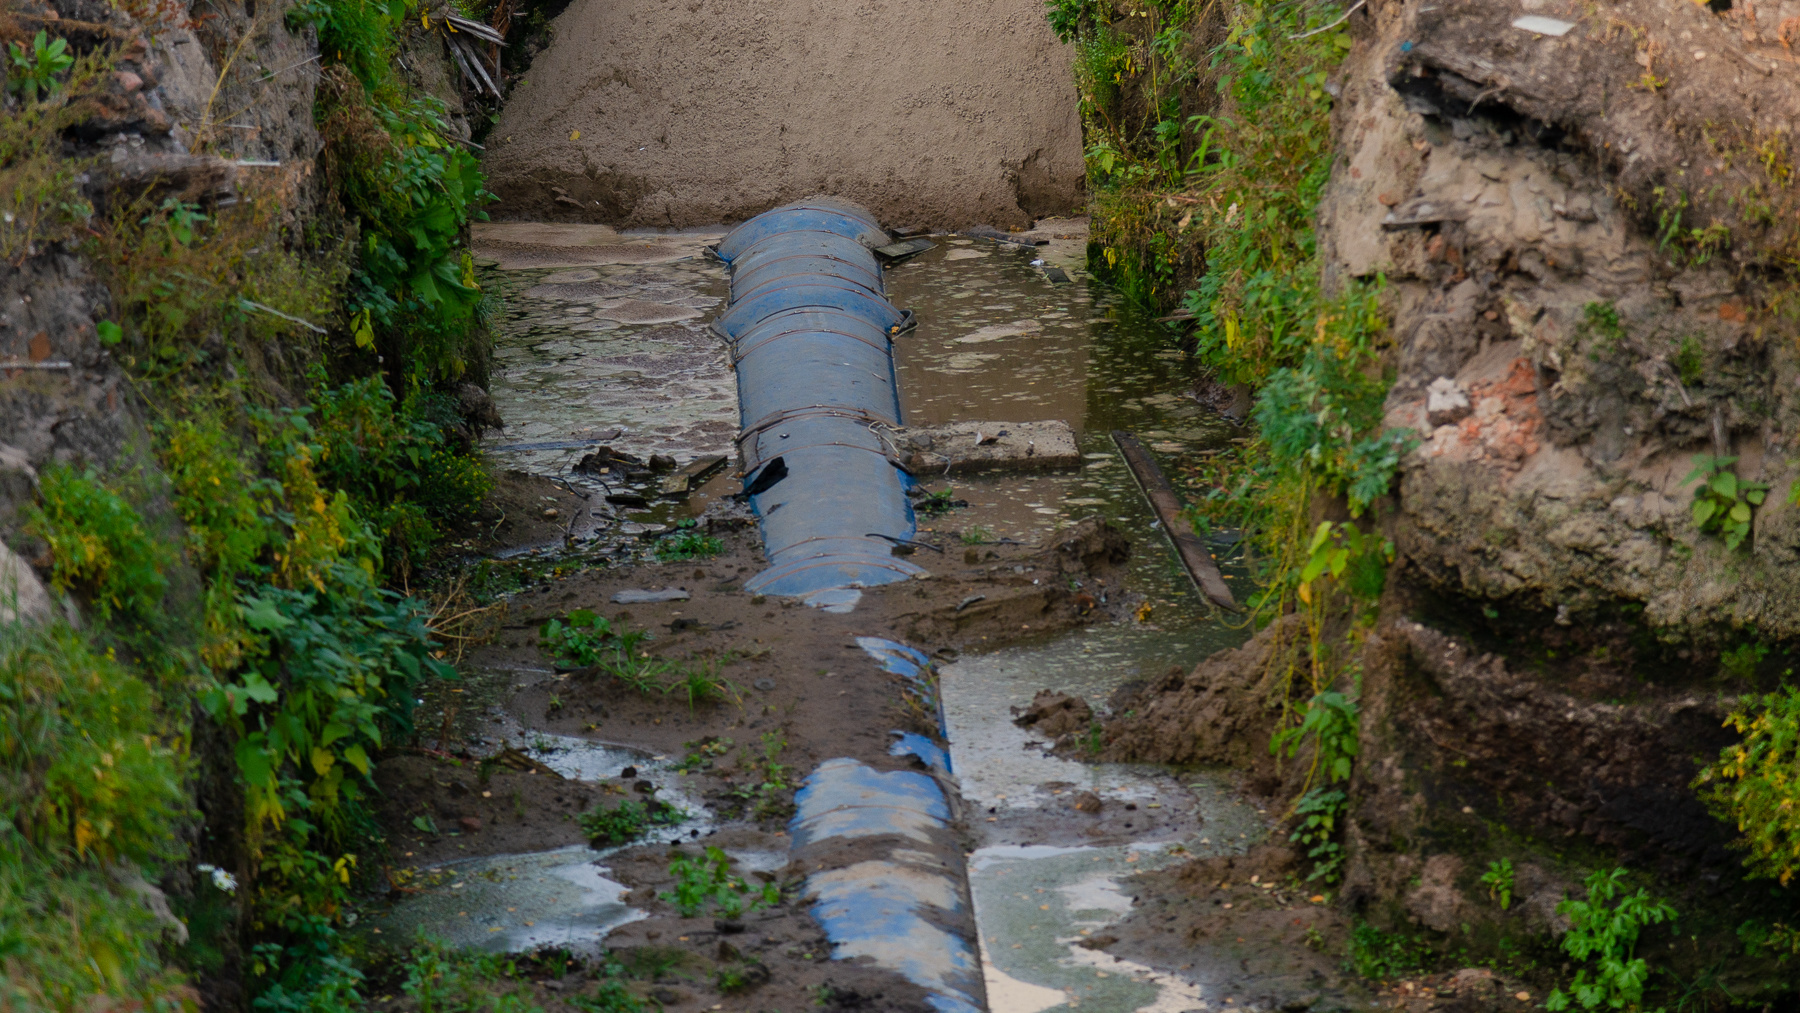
960 447
638 597
1446 403
22 594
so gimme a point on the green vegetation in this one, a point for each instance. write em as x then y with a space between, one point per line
1319 813
1384 956
707 882
1723 503
1603 933
1755 783
938 504
99 544
702 754
35 68
585 638
1499 880
240 655
687 544
766 796
627 821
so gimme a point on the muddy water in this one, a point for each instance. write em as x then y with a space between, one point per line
998 341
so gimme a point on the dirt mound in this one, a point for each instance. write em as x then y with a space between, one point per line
1221 712
658 113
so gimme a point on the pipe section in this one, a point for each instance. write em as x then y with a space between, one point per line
811 334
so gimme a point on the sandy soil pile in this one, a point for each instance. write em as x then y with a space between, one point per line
675 113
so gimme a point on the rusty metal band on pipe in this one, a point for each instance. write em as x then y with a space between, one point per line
807 297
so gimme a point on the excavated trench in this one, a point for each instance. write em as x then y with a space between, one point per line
603 355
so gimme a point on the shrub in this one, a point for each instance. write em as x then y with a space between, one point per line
1755 783
627 821
1605 928
99 543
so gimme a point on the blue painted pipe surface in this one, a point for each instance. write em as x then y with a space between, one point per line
811 336
903 905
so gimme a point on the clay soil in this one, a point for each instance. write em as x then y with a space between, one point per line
671 114
798 684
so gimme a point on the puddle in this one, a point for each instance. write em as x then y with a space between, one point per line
515 903
1037 905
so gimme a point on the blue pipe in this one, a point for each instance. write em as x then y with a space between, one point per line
811 334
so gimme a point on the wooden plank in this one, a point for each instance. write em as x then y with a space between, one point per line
689 478
1193 552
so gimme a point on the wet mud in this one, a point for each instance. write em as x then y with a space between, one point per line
1054 579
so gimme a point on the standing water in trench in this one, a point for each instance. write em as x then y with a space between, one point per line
593 353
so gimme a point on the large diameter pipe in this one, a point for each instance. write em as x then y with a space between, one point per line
811 334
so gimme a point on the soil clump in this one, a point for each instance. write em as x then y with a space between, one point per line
670 115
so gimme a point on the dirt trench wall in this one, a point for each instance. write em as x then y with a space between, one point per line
665 113
1519 190
1585 243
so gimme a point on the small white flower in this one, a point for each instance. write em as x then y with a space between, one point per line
221 879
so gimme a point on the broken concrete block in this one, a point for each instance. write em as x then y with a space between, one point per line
983 446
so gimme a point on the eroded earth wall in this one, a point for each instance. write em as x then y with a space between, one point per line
674 113
1585 226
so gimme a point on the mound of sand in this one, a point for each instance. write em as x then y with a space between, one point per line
673 113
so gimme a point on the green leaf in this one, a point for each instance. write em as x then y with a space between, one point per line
356 757
110 333
1725 484
1756 496
1703 511
257 688
263 615
1740 512
1319 536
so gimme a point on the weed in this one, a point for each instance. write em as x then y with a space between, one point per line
766 796
702 753
36 68
1383 956
442 980
99 544
1330 721
1605 928
1319 812
731 980
708 882
1723 503
687 544
585 638
1690 360
1339 548
977 535
938 504
627 821
1742 661
1499 880
1752 783
700 683
648 963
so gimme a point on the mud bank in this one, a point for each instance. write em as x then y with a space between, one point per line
665 114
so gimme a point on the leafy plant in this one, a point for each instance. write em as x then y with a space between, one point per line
688 544
585 638
35 69
1742 661
1723 503
766 794
702 753
938 504
1383 956
977 535
627 821
1499 880
700 683
708 882
1330 721
98 543
1605 928
1340 547
1690 360
1319 812
1754 783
